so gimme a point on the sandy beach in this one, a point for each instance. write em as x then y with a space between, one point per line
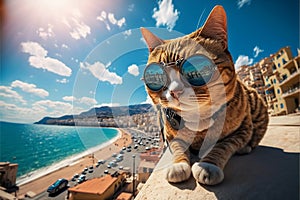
74 165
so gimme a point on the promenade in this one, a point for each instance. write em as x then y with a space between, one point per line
271 171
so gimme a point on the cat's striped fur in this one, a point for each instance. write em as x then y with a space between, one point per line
233 115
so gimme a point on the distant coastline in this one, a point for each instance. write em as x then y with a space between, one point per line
99 116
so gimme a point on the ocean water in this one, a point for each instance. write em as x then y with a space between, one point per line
37 146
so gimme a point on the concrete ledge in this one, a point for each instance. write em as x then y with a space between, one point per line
271 171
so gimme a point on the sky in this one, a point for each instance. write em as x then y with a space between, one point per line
63 57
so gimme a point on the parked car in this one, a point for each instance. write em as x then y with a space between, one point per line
81 179
101 161
75 176
119 159
106 171
59 185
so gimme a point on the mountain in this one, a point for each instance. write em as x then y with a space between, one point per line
98 113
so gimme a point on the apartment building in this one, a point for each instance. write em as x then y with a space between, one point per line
282 82
276 78
252 77
8 174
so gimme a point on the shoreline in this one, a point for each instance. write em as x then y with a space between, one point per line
31 176
41 179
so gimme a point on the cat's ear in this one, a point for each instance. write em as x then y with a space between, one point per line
152 40
215 26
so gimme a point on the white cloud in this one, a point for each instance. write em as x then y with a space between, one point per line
64 80
78 28
127 33
12 112
68 98
39 59
131 7
83 100
109 18
241 3
142 39
107 104
112 18
65 46
39 109
53 106
30 88
134 70
100 71
34 49
45 33
165 14
7 92
87 100
243 60
257 51
148 100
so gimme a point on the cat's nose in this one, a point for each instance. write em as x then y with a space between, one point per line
176 93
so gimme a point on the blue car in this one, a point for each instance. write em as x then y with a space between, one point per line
59 185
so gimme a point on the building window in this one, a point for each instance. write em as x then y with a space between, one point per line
283 61
281 105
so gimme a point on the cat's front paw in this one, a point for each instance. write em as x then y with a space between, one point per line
207 173
245 150
178 172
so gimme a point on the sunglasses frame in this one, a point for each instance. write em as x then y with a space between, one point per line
178 63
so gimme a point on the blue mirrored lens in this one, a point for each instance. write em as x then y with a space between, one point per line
197 70
155 77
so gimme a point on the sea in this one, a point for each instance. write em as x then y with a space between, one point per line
36 147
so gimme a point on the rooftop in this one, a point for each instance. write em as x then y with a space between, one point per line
271 171
94 186
124 196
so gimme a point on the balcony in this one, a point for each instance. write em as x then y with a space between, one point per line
293 77
295 91
289 64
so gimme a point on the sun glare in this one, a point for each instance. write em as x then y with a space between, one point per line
51 8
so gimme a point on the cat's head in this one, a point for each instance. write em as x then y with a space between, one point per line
194 70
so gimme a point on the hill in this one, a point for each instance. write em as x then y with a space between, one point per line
97 114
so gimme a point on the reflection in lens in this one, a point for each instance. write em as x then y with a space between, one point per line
155 77
197 70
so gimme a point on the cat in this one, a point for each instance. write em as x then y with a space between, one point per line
192 82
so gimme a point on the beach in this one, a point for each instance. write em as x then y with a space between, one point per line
40 181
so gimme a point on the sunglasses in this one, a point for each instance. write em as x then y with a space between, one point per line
197 70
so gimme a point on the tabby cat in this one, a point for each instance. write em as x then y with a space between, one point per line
192 82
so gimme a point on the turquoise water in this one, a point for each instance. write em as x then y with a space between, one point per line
37 146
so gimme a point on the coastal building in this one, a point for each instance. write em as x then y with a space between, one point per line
282 81
252 77
276 79
8 174
148 161
98 188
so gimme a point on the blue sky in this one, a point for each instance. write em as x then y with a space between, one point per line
66 56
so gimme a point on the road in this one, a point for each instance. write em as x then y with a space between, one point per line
127 162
